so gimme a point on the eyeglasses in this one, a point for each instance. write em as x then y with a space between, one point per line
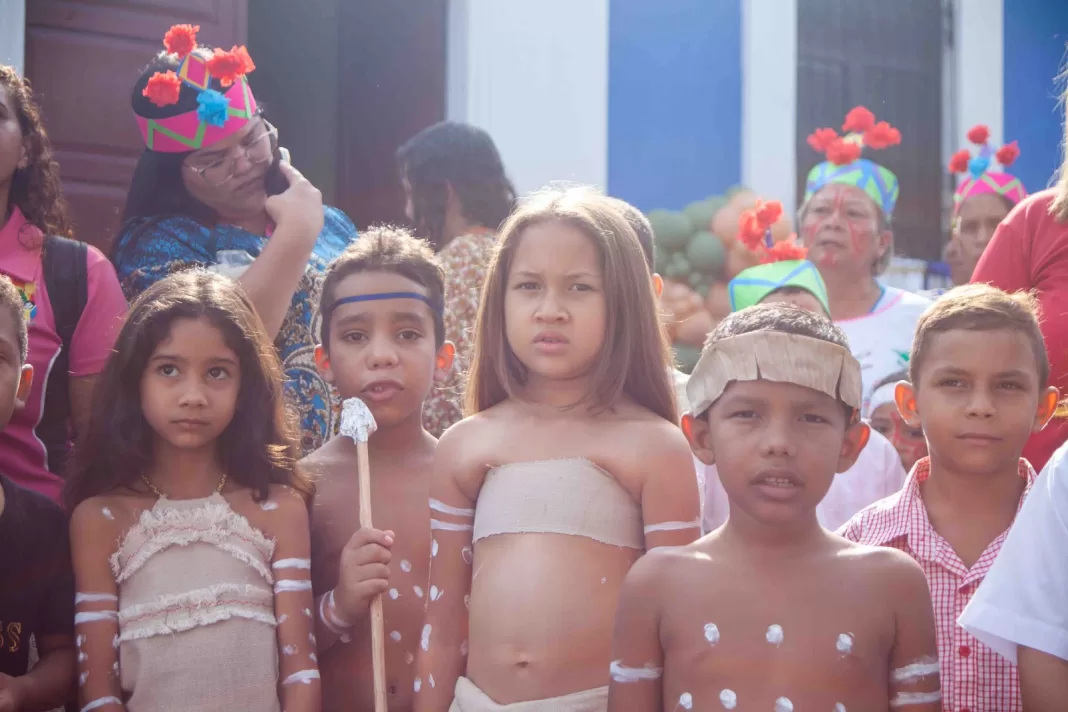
258 151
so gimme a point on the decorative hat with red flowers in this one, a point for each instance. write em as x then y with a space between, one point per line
844 164
218 114
782 264
978 178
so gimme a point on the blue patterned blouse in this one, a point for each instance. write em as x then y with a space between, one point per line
148 250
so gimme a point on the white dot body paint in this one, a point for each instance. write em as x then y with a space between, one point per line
435 593
307 612
114 642
728 699
406 566
686 701
418 684
311 656
604 580
433 548
409 658
784 705
839 707
463 647
775 635
268 506
394 594
290 650
83 677
395 635
468 554
845 643
467 601
418 591
424 639
311 638
711 633
107 513
282 619
430 679
81 639
115 668
82 657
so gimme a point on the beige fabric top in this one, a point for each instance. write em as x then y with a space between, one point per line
196 597
774 356
571 496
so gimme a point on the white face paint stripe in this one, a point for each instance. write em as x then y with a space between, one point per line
80 598
292 564
621 673
915 671
98 703
302 676
439 506
290 585
907 699
95 617
673 526
438 525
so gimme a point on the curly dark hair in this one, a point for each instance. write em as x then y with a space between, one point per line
36 189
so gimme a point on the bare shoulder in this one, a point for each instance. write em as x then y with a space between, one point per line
468 439
283 511
324 467
891 567
107 516
658 569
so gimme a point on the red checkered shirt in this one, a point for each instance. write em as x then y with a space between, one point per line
974 677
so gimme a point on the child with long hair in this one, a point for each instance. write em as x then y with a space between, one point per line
569 466
189 530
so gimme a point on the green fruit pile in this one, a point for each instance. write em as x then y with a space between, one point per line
686 250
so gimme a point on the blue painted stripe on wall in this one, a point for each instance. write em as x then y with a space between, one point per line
674 100
1035 36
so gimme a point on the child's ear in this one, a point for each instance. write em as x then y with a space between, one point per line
443 361
1047 406
322 362
905 399
697 434
25 383
658 285
856 439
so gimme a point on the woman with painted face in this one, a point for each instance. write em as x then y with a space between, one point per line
71 297
213 189
845 224
982 200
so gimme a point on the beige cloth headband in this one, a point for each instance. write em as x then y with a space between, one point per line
774 356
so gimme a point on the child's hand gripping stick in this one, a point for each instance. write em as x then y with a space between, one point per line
358 423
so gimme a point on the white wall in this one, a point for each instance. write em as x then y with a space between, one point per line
535 75
769 99
980 68
12 33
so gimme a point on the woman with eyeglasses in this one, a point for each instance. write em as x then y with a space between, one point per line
213 188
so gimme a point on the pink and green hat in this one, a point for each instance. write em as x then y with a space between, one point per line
219 115
978 178
844 164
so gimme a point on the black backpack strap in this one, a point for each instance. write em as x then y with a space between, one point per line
67 281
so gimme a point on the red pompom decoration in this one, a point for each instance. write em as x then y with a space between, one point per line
788 249
1008 154
821 139
842 152
959 162
979 134
882 135
181 39
163 88
768 213
751 230
859 119
230 66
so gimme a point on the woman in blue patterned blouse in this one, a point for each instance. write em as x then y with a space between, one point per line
210 191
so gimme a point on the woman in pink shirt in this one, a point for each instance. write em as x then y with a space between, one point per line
35 444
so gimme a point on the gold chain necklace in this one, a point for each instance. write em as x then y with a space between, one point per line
159 493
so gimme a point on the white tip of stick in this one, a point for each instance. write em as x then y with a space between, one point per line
356 420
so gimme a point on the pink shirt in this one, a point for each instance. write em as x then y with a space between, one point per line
23 457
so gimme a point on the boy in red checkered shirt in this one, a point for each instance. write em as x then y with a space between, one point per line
979 373
772 611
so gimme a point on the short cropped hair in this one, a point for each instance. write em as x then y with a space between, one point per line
778 316
980 307
641 227
10 300
387 248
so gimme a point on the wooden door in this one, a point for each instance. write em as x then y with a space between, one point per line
886 56
83 57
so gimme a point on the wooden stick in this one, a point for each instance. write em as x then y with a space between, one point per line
378 631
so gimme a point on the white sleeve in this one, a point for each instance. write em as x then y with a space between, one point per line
1022 599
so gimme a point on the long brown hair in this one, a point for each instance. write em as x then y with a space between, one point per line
35 189
1059 207
257 448
635 358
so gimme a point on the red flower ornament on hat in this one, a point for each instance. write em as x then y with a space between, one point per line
980 176
821 139
979 134
959 162
229 66
181 40
163 88
1008 154
843 152
859 119
882 135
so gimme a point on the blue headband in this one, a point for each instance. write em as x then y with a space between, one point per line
386 295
